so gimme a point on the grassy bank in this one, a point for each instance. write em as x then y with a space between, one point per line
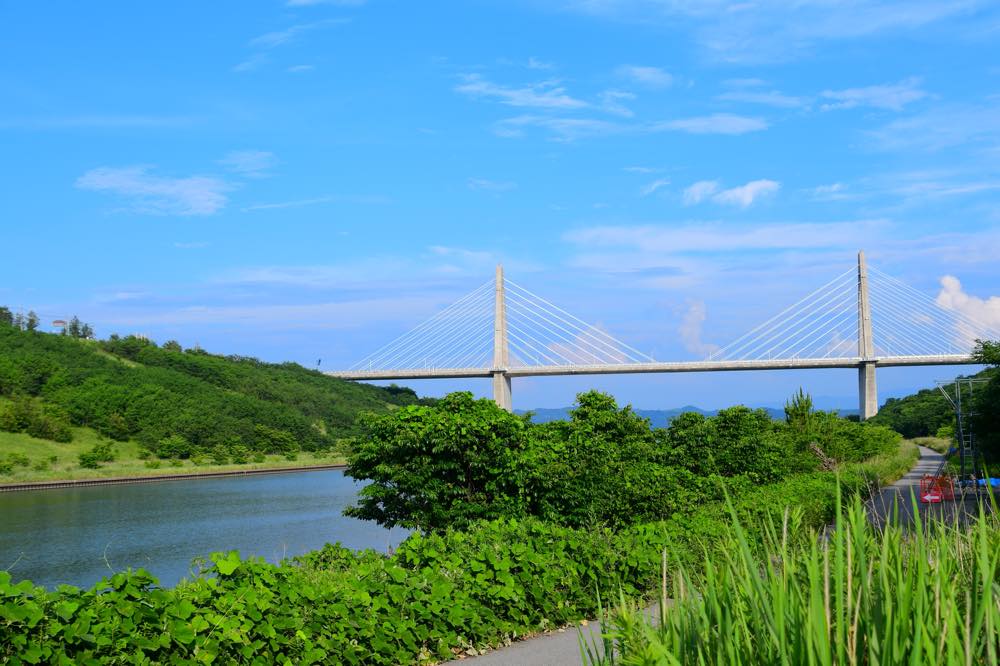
863 595
38 460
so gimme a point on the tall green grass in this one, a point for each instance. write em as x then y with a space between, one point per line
854 595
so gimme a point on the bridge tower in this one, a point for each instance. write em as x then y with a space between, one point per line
501 349
867 389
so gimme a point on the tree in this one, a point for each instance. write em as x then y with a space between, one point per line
31 322
172 345
86 332
798 411
73 328
987 352
6 316
986 422
439 467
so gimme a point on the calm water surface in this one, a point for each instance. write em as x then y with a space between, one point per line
73 535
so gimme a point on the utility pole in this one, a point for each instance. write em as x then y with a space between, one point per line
867 388
501 351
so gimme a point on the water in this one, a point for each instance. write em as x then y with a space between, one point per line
79 535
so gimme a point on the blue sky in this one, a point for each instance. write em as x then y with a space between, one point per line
303 180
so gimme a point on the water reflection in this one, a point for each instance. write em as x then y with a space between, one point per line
78 535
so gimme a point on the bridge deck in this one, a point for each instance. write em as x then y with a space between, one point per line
634 368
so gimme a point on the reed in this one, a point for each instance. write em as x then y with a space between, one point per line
855 594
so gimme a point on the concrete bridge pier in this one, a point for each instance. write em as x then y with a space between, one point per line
501 350
867 388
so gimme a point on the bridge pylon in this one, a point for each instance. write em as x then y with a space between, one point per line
501 347
867 388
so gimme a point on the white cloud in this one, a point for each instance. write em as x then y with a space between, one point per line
249 163
535 63
253 62
772 98
652 187
651 77
611 101
744 195
717 123
690 330
298 69
700 191
544 95
564 129
892 96
831 192
490 185
640 169
162 195
952 297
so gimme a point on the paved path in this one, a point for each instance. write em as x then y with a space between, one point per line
559 648
881 506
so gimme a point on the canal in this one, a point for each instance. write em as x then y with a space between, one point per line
77 536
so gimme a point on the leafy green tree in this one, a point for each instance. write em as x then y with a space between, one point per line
6 316
172 345
31 321
986 422
73 328
437 467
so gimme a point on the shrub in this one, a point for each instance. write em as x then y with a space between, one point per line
239 453
174 446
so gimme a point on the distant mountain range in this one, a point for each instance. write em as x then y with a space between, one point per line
658 418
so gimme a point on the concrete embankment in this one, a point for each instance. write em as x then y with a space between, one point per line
110 481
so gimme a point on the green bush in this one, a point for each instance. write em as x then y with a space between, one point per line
174 446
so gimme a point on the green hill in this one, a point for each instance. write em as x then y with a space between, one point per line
175 403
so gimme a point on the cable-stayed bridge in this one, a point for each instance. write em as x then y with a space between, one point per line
861 319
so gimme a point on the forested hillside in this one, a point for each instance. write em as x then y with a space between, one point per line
926 412
174 402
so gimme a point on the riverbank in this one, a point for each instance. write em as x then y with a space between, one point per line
45 464
244 470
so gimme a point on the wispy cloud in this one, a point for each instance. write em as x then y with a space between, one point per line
544 95
535 63
700 191
271 40
723 238
717 123
490 185
831 192
742 196
310 3
893 96
563 129
160 195
745 195
652 187
770 98
612 102
333 198
944 126
249 163
299 69
773 30
651 77
640 169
